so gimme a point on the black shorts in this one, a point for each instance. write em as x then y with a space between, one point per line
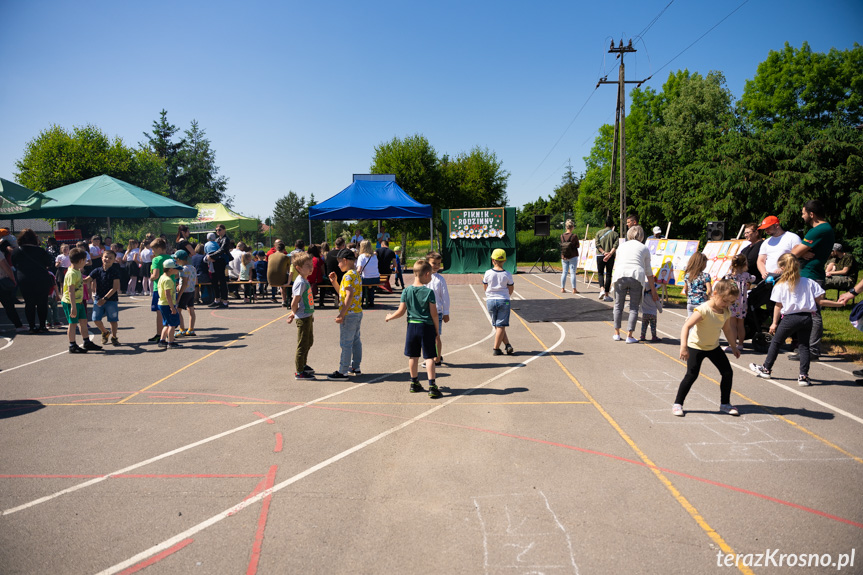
145 270
420 338
187 299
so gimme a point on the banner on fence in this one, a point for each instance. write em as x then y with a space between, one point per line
476 223
719 256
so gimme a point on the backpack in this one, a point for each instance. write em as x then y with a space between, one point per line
569 246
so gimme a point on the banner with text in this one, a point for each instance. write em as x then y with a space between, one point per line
476 223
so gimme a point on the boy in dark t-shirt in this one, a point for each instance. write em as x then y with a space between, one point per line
419 303
107 285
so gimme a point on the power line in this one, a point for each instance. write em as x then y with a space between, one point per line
562 135
699 38
652 22
539 185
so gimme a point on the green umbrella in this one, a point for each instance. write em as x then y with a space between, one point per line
107 197
16 199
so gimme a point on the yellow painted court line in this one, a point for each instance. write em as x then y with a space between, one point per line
737 393
693 512
197 361
770 411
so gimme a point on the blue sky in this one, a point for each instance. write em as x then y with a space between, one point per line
295 96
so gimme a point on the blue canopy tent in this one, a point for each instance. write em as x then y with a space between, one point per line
371 197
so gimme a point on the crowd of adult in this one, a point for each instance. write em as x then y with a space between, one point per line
34 270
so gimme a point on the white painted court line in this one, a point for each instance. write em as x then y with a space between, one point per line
778 384
7 370
168 543
8 343
208 439
228 512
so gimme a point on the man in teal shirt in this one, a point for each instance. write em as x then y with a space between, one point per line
813 254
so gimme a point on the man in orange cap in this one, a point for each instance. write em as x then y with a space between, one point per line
780 242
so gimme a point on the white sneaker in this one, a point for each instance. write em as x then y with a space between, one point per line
601 295
728 408
615 337
759 370
677 410
803 381
631 340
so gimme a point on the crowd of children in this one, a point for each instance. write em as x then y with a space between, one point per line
94 273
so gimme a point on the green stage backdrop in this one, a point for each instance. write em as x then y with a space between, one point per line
472 234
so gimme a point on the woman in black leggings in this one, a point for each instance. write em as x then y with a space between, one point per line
32 263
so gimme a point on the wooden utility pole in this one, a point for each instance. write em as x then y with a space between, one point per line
620 125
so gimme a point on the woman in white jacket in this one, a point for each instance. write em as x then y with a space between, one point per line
632 273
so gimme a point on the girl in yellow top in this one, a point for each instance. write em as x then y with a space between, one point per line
699 339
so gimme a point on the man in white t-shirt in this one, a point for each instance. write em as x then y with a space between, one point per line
780 242
383 236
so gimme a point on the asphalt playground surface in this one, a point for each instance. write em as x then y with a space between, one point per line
563 458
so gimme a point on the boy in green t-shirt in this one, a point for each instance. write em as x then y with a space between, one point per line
167 299
158 246
303 308
73 303
419 303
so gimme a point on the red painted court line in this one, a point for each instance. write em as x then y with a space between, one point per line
97 399
664 470
618 458
184 475
278 447
264 417
156 558
223 403
166 397
262 523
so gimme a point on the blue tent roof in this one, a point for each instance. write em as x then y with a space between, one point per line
370 200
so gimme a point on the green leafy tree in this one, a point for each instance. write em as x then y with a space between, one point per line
414 163
565 196
161 142
190 163
290 218
58 157
199 181
474 179
801 85
318 226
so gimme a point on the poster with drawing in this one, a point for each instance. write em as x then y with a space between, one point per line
719 256
668 258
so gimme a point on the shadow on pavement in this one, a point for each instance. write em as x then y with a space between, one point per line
782 410
16 407
484 391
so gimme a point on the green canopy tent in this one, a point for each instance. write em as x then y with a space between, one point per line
209 216
106 197
16 199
